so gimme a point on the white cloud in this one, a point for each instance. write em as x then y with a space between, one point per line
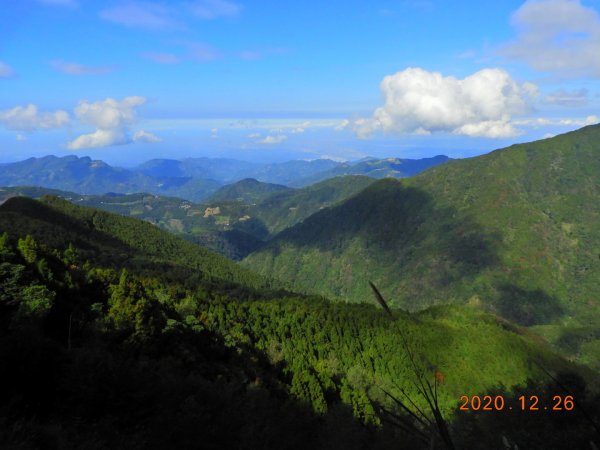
112 119
29 118
145 136
99 138
563 122
254 135
557 36
422 102
273 140
21 137
211 9
5 70
140 15
562 97
301 128
72 68
342 125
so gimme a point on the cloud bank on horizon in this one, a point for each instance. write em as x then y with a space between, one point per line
201 57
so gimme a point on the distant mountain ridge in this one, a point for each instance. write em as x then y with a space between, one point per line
377 168
86 176
193 179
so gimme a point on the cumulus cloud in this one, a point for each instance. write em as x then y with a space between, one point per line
273 140
557 36
422 102
562 97
99 138
29 118
211 9
145 136
5 70
72 68
110 117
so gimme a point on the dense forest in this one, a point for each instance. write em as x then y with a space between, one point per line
116 334
234 223
515 230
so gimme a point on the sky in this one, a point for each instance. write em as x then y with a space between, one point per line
127 81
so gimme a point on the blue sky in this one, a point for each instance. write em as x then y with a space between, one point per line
126 81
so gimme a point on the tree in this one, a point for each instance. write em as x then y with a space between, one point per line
28 249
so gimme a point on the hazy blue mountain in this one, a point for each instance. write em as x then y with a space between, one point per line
288 173
86 176
193 179
376 168
224 170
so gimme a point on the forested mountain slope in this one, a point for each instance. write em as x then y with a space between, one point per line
285 209
516 230
108 341
117 241
232 228
247 190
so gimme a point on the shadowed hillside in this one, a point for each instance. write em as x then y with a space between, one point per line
516 230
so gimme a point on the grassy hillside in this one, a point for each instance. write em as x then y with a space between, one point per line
516 231
117 335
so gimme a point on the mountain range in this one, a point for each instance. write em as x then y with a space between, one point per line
192 179
123 332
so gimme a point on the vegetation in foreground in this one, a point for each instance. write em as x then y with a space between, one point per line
104 350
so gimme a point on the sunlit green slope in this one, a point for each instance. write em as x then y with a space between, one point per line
516 230
115 334
117 241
